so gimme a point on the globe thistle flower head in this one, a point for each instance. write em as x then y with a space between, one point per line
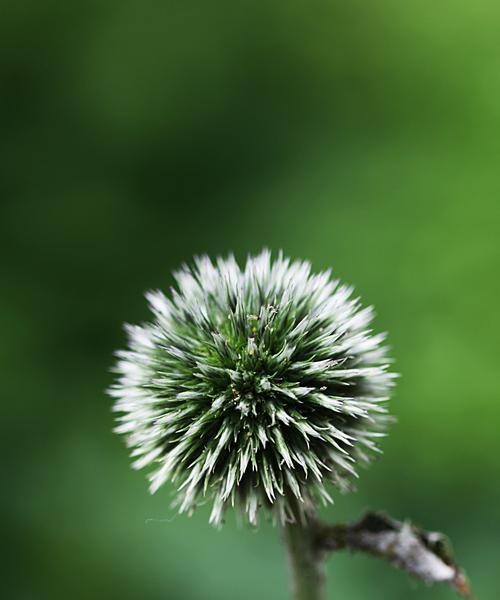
255 386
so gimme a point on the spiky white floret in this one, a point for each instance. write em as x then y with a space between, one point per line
253 386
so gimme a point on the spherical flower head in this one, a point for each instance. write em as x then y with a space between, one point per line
254 386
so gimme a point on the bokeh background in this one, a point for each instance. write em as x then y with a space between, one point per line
134 134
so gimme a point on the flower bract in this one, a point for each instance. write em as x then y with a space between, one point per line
255 386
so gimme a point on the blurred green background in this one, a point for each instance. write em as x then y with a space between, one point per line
362 136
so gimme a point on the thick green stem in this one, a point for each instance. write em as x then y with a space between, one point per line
305 559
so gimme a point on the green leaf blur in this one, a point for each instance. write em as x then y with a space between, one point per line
361 136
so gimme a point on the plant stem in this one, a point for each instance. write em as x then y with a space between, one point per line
305 559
